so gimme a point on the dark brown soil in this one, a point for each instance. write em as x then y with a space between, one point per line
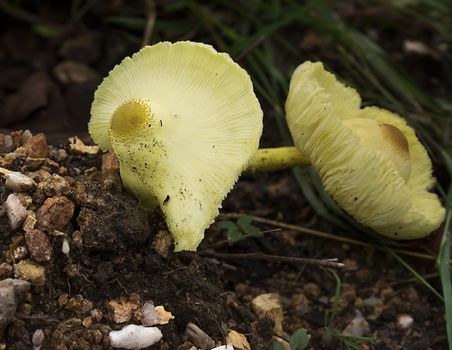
111 258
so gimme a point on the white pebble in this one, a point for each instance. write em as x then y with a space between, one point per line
224 347
18 182
151 317
37 339
372 301
135 337
404 321
358 327
65 247
15 211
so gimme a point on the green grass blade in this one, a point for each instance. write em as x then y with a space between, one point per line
331 316
444 268
416 274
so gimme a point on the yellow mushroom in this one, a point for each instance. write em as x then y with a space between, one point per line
369 159
184 122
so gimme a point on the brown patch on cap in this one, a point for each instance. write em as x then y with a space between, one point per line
397 139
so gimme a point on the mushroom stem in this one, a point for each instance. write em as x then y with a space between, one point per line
271 159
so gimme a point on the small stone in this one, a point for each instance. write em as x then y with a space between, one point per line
32 164
36 147
30 271
164 316
358 327
404 322
37 339
57 233
21 137
300 304
135 337
51 164
12 292
358 303
38 245
97 336
221 347
26 200
324 300
79 305
412 295
121 310
6 144
76 145
53 185
269 306
15 211
150 317
312 290
63 299
386 292
5 270
162 243
55 213
65 246
110 163
97 315
20 253
237 340
59 155
372 301
18 182
29 223
87 322
348 295
350 264
198 337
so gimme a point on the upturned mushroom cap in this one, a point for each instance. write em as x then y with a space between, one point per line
184 122
369 159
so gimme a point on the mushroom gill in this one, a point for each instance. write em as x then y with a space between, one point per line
369 159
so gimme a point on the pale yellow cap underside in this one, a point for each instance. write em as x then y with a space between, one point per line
362 180
206 125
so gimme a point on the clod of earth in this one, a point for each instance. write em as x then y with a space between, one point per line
184 122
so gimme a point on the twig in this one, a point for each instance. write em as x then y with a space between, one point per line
332 263
324 234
